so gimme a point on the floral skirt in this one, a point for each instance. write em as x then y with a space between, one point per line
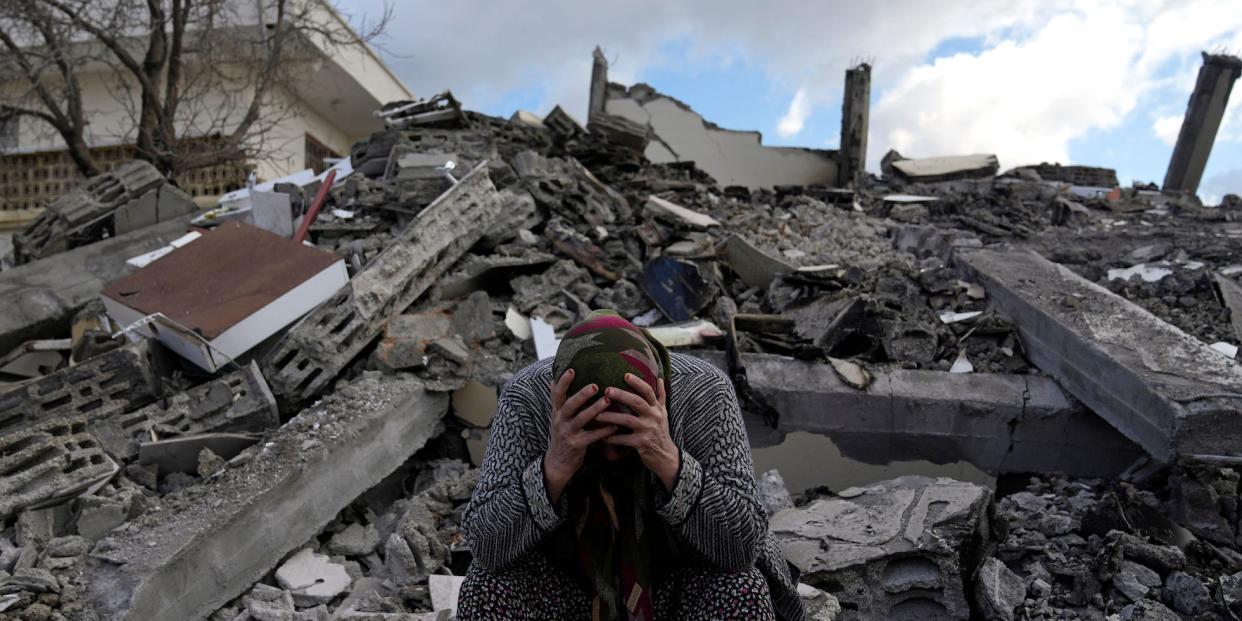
536 590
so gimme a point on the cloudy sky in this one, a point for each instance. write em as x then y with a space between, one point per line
1099 83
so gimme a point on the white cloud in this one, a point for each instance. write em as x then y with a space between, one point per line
1028 97
795 117
1050 72
1167 128
483 50
1214 188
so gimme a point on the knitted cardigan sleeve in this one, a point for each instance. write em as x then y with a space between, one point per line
509 513
714 505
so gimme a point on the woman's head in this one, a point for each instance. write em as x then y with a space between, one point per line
602 349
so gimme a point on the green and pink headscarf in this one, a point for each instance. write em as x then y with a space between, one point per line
609 502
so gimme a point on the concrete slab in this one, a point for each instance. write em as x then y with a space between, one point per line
1162 388
898 549
999 423
313 352
43 295
948 167
207 544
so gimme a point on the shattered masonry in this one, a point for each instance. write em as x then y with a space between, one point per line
1074 339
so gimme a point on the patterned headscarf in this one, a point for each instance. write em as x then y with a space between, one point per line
609 503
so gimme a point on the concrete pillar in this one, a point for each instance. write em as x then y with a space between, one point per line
855 114
1203 116
599 83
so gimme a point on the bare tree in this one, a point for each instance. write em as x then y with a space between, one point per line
203 82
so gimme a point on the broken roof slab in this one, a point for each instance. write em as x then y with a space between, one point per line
1161 387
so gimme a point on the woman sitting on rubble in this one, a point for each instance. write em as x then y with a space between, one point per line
618 485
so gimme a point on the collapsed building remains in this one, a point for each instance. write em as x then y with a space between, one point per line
1073 338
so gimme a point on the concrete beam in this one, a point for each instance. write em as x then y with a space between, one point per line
207 544
1204 112
999 423
855 119
41 296
315 350
1162 388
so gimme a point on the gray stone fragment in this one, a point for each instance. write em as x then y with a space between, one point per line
31 579
68 546
1148 610
355 540
819 605
1135 580
100 515
883 543
312 578
1185 594
400 561
773 494
998 591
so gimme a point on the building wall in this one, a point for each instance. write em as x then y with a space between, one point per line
730 157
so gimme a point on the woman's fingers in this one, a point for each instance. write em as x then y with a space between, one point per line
589 413
635 402
624 439
595 435
575 402
641 388
629 421
560 387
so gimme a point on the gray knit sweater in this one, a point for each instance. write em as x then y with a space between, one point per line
713 510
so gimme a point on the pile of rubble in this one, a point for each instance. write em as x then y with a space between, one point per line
231 424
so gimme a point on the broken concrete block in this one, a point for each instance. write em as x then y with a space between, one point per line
527 118
279 500
444 590
312 578
406 338
400 561
562 124
945 168
475 403
237 402
100 515
1159 386
773 494
132 195
676 214
895 549
355 540
755 267
44 296
115 382
998 591
272 212
30 579
313 352
49 461
619 130
819 605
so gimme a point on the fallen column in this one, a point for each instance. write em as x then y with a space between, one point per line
209 543
315 349
1159 386
42 296
1204 113
898 549
999 423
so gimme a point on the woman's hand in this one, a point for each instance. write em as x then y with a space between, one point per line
648 427
569 438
